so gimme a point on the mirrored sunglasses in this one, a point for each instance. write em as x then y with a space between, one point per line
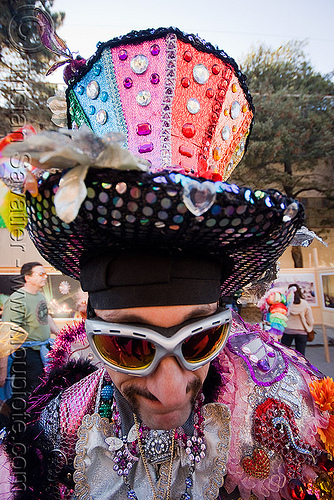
138 349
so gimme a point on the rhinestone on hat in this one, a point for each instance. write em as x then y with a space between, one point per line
226 133
93 89
235 110
139 64
193 106
143 98
201 74
101 117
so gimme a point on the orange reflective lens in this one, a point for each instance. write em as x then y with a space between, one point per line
125 352
201 346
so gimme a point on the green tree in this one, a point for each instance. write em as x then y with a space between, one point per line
23 64
292 142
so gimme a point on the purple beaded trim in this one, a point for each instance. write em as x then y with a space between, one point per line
250 366
306 366
166 106
120 124
286 353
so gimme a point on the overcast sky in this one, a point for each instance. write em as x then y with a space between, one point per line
234 25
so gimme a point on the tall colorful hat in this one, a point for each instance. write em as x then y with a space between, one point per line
181 107
179 102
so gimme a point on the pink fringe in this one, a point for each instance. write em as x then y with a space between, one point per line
5 477
62 346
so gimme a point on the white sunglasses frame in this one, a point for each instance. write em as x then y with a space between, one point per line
163 346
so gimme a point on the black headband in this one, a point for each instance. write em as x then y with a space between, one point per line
143 278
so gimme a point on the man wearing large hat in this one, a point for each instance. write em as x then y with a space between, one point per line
174 396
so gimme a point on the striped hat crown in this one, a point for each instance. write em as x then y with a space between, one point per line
180 103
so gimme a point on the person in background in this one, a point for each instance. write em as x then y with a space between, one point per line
300 321
27 308
3 371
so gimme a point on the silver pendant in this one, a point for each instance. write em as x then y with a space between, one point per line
157 447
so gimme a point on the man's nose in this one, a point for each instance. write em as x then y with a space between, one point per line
168 383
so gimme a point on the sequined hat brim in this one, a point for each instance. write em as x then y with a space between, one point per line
169 210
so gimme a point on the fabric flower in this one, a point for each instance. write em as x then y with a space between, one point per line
75 151
58 106
327 435
323 394
65 149
304 238
14 169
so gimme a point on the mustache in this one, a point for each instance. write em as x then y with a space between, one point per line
132 392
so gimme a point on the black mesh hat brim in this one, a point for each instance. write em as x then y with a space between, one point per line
127 209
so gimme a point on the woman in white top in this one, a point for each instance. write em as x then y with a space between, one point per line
300 322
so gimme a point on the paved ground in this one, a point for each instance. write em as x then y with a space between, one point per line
315 351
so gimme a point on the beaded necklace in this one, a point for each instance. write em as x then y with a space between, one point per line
155 447
170 468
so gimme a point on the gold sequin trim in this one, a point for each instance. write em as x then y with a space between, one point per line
82 489
221 415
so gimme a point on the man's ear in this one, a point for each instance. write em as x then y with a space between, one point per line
90 311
